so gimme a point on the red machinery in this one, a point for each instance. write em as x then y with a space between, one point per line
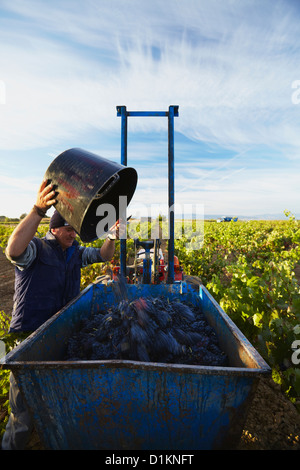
149 265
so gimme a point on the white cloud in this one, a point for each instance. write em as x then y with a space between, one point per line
230 74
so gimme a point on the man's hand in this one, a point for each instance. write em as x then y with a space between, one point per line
25 231
108 248
45 196
113 233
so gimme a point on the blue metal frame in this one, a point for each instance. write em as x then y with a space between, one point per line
173 112
123 114
120 404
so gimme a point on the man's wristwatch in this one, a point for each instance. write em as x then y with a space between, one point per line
39 211
110 236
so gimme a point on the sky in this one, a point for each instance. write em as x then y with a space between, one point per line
232 67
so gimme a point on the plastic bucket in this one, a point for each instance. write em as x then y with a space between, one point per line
83 181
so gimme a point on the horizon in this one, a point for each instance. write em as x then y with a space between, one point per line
230 66
187 217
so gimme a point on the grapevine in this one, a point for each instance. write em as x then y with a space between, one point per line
249 267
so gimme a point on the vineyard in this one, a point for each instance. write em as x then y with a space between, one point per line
252 269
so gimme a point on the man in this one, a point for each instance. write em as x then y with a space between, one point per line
47 278
48 270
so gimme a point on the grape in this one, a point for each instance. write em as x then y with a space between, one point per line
148 329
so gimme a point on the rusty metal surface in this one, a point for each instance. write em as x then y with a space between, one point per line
129 404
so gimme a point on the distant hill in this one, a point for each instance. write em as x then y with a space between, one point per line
279 216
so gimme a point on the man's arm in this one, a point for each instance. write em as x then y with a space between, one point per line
25 231
108 248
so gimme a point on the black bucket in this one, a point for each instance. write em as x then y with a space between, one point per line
83 181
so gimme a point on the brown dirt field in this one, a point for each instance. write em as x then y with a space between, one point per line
6 284
273 423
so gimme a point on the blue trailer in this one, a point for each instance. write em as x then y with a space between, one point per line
118 404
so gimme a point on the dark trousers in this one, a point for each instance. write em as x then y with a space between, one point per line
19 427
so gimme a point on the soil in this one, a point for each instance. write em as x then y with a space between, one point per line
273 422
7 281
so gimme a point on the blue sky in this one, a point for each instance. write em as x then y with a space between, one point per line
231 66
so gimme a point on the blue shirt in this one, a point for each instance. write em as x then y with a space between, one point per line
46 279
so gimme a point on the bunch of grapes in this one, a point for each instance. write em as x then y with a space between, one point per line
148 330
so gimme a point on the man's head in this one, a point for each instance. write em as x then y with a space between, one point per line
63 232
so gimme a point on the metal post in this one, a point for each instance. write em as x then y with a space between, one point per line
121 111
170 279
173 111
